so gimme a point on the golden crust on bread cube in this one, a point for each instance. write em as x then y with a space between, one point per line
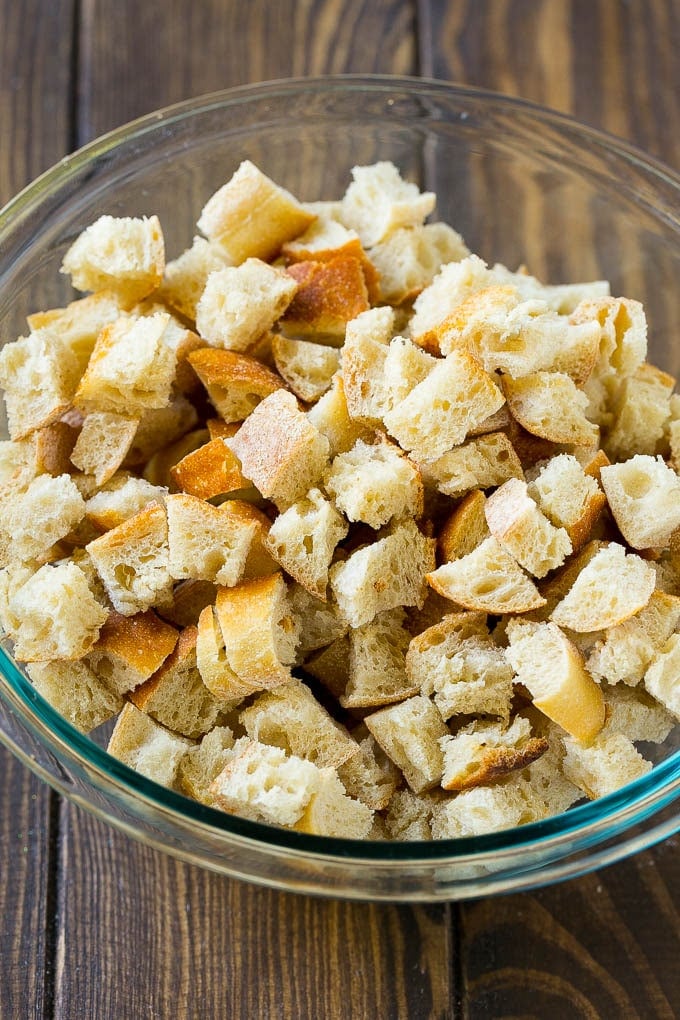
211 470
130 649
236 383
240 303
132 560
39 375
379 201
259 631
329 295
252 217
131 368
374 482
464 529
483 752
147 747
125 255
56 614
280 450
623 332
176 696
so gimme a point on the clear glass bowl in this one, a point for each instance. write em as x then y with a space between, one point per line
522 184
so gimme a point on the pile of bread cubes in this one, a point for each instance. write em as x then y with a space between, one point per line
352 533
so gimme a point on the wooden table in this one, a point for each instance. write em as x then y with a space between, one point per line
93 925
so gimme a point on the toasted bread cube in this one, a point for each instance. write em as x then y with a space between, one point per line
240 303
568 496
661 679
176 696
33 520
478 464
488 579
303 540
440 411
378 201
464 529
320 622
212 662
363 367
56 616
308 368
324 238
159 427
374 482
329 295
79 324
145 746
330 415
454 282
290 717
206 542
633 711
131 368
259 631
456 661
251 216
388 573
236 383
124 255
369 776
623 332
130 649
376 324
410 257
603 766
39 375
132 561
377 670
331 666
623 653
641 413
280 449
549 405
644 496
103 443
483 809
75 692
527 534
611 588
405 366
185 277
409 734
18 463
330 812
121 498
211 470
409 815
552 670
203 762
482 753
564 298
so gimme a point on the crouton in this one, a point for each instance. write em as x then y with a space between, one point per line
488 579
121 498
206 542
34 519
661 679
330 415
103 443
307 368
124 255
75 692
633 711
409 734
236 383
527 534
240 303
203 762
603 766
330 812
612 587
478 464
369 775
185 277
374 482
623 653
464 529
79 324
623 332
328 296
130 649
481 753
320 622
39 375
303 540
378 201
644 496
549 405
377 670
159 428
211 470
410 257
640 414
145 746
568 496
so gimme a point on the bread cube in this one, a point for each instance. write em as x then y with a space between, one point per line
329 295
363 377
236 383
482 809
482 752
145 746
330 415
56 616
374 482
185 277
330 812
603 766
240 303
409 815
369 776
33 520
211 470
103 443
549 405
123 496
405 366
488 579
388 573
206 542
39 375
175 694
124 255
303 539
409 734
133 561
131 368
410 257
623 332
290 717
439 412
203 762
378 201
320 622
464 529
79 324
568 496
612 587
130 649
75 692
527 534
633 711
308 368
623 653
644 496
159 427
377 670
252 217
454 282
280 450
661 679
641 413
478 464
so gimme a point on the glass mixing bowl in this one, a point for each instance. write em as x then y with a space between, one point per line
523 185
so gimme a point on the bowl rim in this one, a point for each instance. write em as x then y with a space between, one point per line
656 789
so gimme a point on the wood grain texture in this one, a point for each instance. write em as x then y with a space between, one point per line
35 63
135 58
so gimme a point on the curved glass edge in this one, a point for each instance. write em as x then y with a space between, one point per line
592 822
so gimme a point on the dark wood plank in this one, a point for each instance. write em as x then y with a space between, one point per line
198 945
604 945
35 61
